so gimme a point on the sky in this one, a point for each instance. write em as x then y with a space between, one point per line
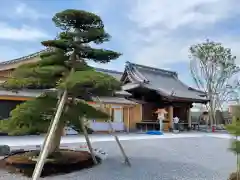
155 33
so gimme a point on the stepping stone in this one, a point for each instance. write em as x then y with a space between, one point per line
4 150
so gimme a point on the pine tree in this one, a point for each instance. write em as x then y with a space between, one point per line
64 68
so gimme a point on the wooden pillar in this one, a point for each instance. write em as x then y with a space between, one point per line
128 118
170 116
110 117
189 117
64 133
141 112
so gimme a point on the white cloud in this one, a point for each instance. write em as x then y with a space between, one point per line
22 10
163 30
19 10
172 15
7 53
24 33
99 7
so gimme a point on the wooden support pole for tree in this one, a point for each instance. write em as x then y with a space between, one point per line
43 155
116 138
88 140
126 160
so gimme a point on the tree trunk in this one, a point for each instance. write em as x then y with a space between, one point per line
57 138
211 112
212 117
50 125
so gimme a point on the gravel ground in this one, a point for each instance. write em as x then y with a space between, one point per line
199 158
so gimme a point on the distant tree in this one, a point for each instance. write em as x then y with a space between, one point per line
214 71
64 68
234 91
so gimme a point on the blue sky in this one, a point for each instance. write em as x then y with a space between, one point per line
156 32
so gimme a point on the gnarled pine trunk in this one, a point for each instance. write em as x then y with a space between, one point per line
54 146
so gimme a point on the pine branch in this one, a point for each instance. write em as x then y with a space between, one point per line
98 55
79 19
95 82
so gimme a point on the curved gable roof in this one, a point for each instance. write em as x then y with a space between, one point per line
162 81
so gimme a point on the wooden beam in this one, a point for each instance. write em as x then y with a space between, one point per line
128 122
91 102
15 98
22 98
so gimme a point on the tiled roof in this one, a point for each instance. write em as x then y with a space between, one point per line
164 82
152 69
117 75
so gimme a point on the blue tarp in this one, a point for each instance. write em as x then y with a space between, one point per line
154 132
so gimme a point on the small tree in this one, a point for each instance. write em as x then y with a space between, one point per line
234 129
234 89
65 69
213 70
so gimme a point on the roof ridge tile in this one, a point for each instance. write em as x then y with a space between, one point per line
154 69
23 58
108 70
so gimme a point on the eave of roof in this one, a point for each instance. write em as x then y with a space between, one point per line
115 100
24 92
35 93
